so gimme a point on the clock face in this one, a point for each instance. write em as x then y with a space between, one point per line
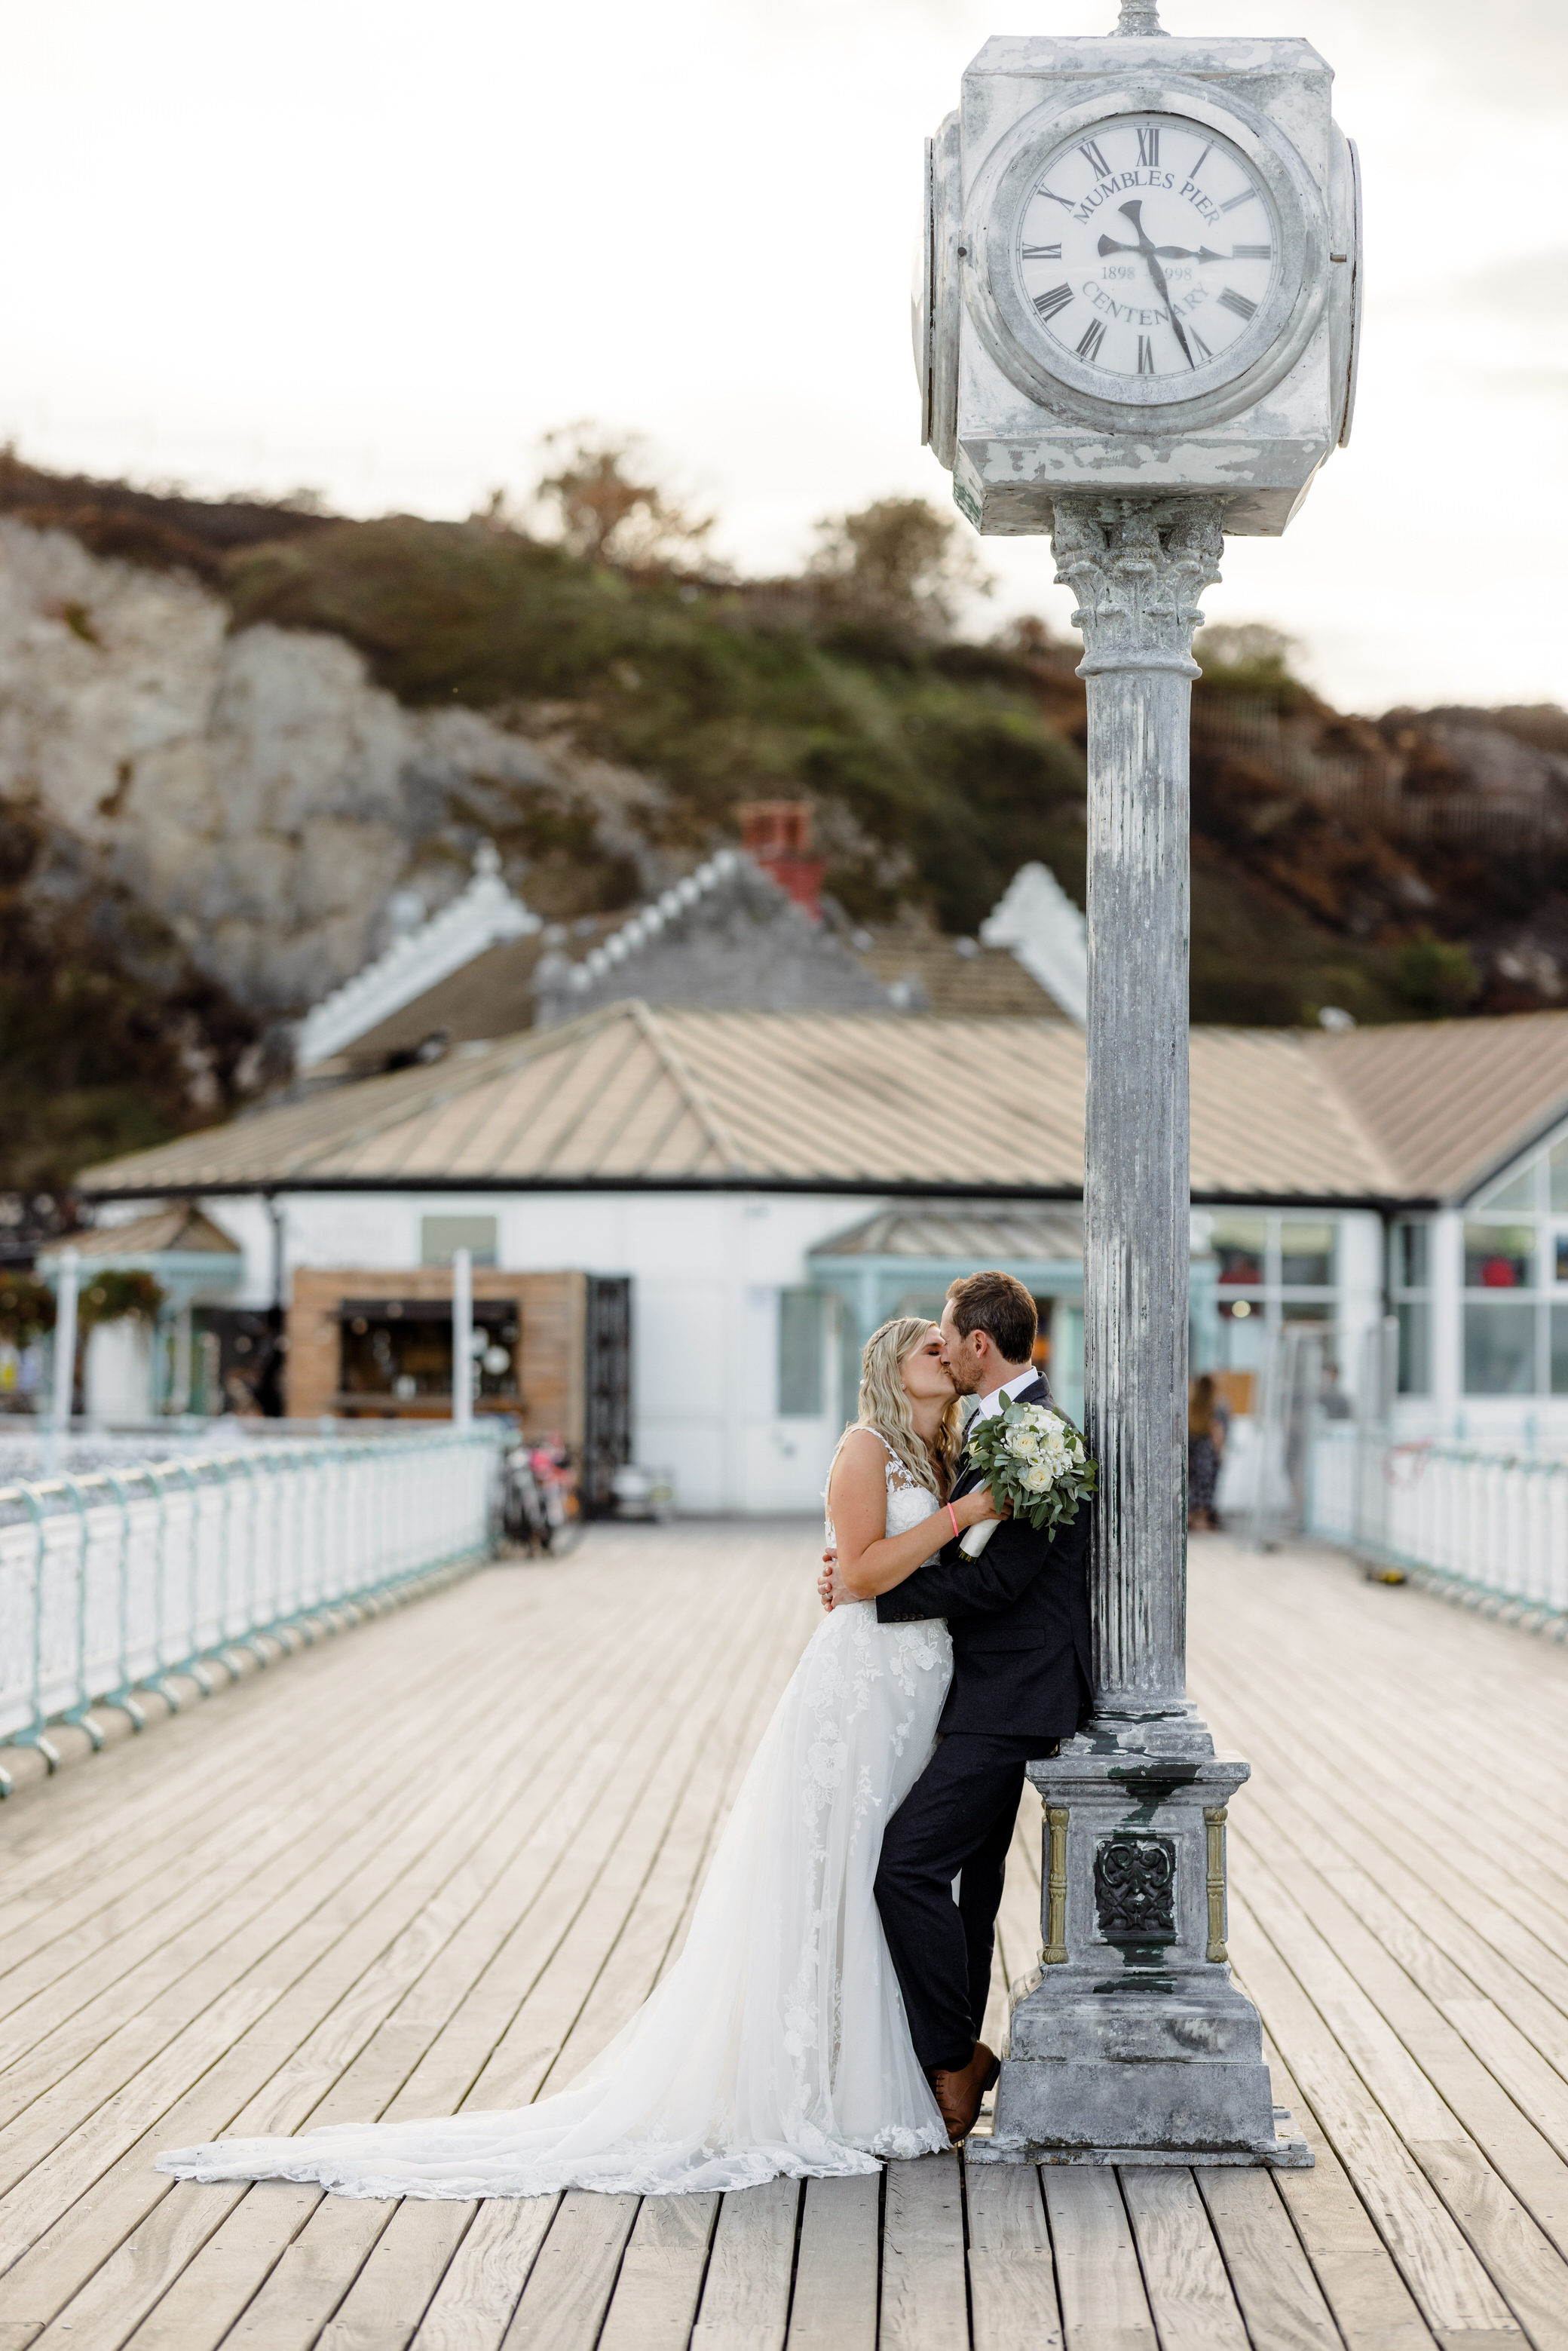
1145 249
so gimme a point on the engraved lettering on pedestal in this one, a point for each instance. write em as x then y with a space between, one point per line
1214 1821
1055 1952
1134 1889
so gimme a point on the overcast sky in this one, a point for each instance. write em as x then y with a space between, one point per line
379 249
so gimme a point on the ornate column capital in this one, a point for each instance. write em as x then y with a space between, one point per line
1137 567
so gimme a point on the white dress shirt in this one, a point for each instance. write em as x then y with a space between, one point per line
993 1403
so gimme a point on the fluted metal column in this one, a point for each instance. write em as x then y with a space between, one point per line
1137 567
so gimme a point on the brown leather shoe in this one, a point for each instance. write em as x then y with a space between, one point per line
960 2090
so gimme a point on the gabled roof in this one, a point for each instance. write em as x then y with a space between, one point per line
1451 1102
974 1232
868 1103
180 1226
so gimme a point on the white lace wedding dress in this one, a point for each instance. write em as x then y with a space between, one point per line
778 2041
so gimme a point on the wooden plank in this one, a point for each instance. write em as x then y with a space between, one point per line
1183 2275
472 2305
200 2294
1270 2276
570 2285
1438 2107
411 2247
1444 2274
655 2297
746 2295
1104 2305
133 2189
1372 2306
308 2289
834 2306
404 2265
1012 2275
924 2302
1405 1898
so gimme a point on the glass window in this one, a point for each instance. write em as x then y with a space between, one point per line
801 1352
1559 1351
1518 1192
1306 1256
1499 1348
1500 1257
1243 1334
1559 1179
1415 1347
439 1235
1411 1255
1240 1244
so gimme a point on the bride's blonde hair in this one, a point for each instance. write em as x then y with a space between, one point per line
885 1407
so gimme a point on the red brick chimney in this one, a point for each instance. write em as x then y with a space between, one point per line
778 834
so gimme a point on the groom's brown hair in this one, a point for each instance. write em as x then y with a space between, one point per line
999 1305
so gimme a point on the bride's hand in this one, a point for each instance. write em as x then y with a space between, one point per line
976 1505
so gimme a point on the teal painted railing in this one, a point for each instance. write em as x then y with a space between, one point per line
113 1580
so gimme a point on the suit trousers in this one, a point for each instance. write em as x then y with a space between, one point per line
958 1816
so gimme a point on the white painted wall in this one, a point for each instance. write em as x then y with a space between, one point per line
706 1271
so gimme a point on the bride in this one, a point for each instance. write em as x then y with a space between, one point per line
777 2042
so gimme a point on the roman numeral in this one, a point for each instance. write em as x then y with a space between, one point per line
1043 253
1203 159
1248 196
1093 337
1149 147
1251 253
1095 160
1065 201
1047 305
1196 339
1147 357
1231 300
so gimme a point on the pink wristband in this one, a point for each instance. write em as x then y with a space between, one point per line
953 1514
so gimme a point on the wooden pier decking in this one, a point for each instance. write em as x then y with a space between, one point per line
441 1859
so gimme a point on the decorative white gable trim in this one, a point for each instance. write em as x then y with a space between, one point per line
577 977
482 917
1039 921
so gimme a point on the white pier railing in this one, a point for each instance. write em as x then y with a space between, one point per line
1494 1523
112 1580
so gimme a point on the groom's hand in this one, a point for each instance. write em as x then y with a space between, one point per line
829 1590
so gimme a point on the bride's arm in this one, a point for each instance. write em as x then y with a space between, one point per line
870 1560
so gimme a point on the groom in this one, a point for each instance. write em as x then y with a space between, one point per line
1018 1616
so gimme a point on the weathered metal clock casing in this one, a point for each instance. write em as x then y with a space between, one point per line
1014 431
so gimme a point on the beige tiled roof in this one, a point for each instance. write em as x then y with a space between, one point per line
1448 1101
630 1095
177 1226
957 976
986 1231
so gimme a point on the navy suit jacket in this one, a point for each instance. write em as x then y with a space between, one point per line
1018 1616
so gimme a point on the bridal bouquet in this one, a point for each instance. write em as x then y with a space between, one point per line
1032 1460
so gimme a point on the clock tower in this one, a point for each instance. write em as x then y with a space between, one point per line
1136 325
1141 272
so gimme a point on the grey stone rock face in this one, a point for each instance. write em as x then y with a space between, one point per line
255 789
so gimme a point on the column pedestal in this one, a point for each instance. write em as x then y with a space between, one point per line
1129 2041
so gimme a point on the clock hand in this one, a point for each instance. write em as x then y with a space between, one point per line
1134 214
1166 252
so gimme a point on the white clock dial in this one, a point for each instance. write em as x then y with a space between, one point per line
1145 249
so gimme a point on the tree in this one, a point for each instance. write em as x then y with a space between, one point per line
612 511
899 559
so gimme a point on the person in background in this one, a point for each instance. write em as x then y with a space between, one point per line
1207 1419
